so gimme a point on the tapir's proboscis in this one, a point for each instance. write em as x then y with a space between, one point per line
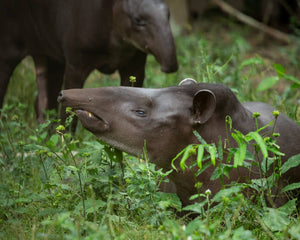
70 38
164 119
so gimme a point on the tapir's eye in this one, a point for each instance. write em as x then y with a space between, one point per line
140 112
138 22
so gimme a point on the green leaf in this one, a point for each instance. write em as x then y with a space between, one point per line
92 205
240 155
291 78
200 156
252 61
289 207
260 141
275 151
220 149
291 187
53 141
72 168
280 70
278 219
213 152
114 154
196 207
185 156
295 232
177 156
33 147
267 83
264 127
43 135
205 166
227 193
242 234
198 136
167 200
221 169
293 161
266 163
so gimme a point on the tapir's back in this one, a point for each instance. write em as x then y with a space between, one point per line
289 140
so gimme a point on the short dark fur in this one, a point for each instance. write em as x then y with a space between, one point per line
167 126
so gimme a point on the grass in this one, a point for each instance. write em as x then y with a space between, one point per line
54 186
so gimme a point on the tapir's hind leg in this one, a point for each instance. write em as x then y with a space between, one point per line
49 77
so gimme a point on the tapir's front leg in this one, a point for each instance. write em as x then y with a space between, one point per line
41 71
134 67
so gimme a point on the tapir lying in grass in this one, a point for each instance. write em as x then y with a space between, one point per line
165 119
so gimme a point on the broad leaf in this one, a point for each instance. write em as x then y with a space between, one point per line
293 161
227 193
267 83
261 143
291 187
280 70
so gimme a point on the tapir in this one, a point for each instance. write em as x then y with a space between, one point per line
164 120
68 39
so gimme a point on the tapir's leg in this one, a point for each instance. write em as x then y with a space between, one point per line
49 77
41 71
56 76
135 67
6 69
74 78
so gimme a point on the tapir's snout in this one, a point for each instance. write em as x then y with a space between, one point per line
82 101
171 68
72 97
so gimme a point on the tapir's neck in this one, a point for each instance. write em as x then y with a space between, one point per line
219 126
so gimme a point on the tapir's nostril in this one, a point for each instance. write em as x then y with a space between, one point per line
60 96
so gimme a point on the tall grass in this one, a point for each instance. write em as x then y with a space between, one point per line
55 186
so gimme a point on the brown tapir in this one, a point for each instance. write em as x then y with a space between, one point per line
73 37
165 119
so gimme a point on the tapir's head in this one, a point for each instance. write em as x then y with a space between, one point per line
145 24
163 119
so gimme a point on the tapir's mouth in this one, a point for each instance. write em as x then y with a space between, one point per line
91 121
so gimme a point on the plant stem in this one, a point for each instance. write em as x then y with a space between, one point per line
80 183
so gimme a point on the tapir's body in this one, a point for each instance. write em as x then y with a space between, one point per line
165 119
73 37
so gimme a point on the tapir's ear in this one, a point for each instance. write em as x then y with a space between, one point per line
187 81
204 104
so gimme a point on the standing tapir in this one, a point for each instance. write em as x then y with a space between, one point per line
165 119
70 38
